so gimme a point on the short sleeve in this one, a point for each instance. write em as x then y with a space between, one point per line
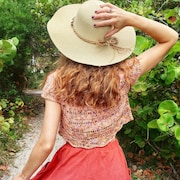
135 70
47 91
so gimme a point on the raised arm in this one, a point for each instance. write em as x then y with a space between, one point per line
119 18
46 140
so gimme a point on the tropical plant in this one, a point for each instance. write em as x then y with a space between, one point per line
7 52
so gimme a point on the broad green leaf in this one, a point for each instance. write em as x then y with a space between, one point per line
19 102
165 122
173 128
164 76
1 119
3 103
169 13
127 131
153 124
161 138
8 51
139 141
168 106
5 126
175 49
11 120
178 115
14 41
171 75
11 113
142 44
140 86
177 133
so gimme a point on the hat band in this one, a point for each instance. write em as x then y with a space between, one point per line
111 42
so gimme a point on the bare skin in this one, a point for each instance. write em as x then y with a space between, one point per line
46 141
117 18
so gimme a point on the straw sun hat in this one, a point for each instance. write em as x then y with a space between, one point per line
72 31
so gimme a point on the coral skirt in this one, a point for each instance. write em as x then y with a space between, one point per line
101 163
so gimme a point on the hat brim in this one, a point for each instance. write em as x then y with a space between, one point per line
70 45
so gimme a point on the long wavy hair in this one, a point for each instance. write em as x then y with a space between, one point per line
88 85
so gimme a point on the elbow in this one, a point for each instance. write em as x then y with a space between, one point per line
175 37
172 40
46 146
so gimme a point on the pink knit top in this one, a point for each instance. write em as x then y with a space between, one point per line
88 127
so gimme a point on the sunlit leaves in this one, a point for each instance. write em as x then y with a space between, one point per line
177 134
7 51
165 122
168 106
153 124
8 113
142 43
171 15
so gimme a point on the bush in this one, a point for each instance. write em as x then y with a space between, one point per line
17 21
12 123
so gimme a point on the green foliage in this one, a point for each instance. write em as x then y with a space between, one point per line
168 125
11 119
155 98
7 113
156 93
12 124
16 22
7 52
41 12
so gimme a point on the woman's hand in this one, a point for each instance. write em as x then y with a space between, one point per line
111 16
20 177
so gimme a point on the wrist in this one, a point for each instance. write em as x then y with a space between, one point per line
132 19
24 177
138 21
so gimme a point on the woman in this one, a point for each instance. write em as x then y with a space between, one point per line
86 98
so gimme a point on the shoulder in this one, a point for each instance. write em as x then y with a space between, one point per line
48 87
132 68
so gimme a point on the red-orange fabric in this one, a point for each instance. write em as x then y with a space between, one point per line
101 163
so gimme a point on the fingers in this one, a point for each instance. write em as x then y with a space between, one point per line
108 15
108 22
111 32
103 16
105 22
105 8
107 12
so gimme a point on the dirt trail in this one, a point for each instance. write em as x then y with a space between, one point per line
27 144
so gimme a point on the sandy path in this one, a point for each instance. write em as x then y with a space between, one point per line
27 144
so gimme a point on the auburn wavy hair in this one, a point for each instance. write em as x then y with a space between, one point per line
88 85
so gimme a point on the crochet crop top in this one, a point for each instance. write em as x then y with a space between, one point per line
87 127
